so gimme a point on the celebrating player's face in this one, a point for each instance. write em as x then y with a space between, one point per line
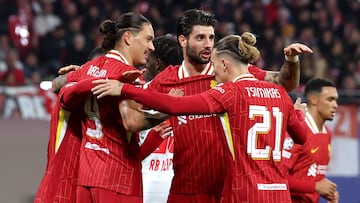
143 44
200 43
328 102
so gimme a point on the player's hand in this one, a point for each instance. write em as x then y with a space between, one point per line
106 87
300 106
296 49
176 92
132 77
325 187
333 198
164 129
66 69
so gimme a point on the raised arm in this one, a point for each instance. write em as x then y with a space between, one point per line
134 119
289 74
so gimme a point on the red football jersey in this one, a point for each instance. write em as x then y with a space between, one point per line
259 113
108 156
60 179
200 152
103 66
308 162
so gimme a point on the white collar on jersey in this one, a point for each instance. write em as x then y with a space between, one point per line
183 73
115 54
246 76
312 125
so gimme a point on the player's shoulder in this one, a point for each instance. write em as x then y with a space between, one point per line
94 62
254 68
169 72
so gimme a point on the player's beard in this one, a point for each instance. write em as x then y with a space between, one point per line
193 56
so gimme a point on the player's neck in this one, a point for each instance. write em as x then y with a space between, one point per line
319 121
194 69
124 54
238 73
127 58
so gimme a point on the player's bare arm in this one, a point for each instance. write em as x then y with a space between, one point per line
289 74
134 119
60 81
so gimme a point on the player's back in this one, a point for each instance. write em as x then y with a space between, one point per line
258 114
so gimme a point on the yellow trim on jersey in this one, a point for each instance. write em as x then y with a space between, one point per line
226 126
128 135
61 127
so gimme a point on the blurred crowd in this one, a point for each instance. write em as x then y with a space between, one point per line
39 36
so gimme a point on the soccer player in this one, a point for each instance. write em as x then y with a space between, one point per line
258 115
110 157
201 179
157 168
306 165
60 178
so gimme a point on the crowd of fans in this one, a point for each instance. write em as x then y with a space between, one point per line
39 36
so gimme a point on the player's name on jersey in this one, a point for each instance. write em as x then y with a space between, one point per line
96 71
263 92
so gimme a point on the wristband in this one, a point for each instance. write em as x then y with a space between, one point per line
293 59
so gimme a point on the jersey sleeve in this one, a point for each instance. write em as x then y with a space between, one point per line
290 155
152 141
73 76
166 103
257 72
300 185
297 127
74 93
296 184
219 98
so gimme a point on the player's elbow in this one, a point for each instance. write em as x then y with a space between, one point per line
132 124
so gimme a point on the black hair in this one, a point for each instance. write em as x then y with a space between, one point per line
97 51
192 17
113 30
167 50
316 85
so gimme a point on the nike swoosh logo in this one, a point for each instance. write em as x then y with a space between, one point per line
314 150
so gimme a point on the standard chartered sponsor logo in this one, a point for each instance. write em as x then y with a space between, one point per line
181 120
184 119
315 169
312 170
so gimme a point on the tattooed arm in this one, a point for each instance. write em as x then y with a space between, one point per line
289 74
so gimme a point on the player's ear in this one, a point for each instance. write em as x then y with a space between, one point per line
182 40
127 37
225 63
312 99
